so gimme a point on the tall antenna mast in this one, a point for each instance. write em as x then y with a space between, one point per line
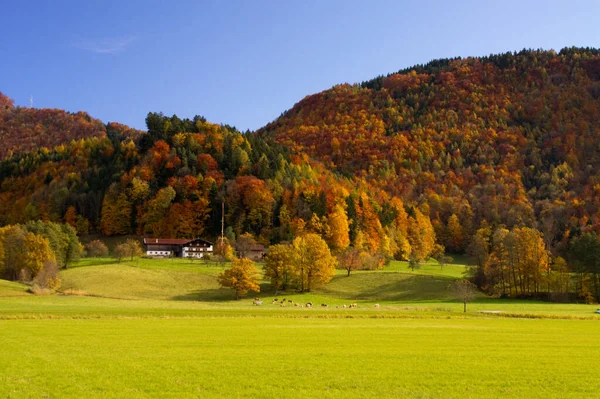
31 101
222 221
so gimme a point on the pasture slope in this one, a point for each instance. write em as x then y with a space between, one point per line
153 328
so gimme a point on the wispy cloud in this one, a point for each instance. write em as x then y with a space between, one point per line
107 45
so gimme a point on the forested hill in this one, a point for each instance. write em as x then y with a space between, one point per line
173 181
23 129
512 139
393 165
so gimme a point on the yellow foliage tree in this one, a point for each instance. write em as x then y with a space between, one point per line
339 228
314 264
224 250
278 265
455 235
23 254
242 276
421 235
36 252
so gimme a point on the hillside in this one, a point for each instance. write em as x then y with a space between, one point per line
393 165
24 129
510 139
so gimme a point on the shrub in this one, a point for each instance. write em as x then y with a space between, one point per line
37 290
120 252
48 277
96 249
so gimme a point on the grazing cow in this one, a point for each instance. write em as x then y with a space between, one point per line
377 305
282 304
344 306
290 301
297 304
309 305
257 303
353 305
324 305
274 300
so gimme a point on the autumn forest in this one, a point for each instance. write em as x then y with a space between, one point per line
495 157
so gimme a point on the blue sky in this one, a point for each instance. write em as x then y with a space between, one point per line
244 62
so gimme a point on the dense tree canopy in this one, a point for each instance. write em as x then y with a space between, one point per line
471 154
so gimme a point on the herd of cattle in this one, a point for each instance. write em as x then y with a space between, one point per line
283 303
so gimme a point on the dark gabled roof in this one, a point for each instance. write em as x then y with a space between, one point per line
166 241
173 241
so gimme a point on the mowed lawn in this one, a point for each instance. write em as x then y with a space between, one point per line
297 358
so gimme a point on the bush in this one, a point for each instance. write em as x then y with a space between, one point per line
96 249
48 277
37 290
130 249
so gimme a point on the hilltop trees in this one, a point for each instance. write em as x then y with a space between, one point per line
173 182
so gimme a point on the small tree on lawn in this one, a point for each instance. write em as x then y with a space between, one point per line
414 263
463 290
350 259
133 248
120 252
96 249
444 260
242 276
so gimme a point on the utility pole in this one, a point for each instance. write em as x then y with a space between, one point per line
222 221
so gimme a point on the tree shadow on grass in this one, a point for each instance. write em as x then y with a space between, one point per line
208 295
220 294
397 288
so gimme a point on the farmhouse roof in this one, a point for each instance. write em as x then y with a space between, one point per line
173 241
167 241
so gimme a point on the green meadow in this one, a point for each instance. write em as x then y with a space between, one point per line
164 328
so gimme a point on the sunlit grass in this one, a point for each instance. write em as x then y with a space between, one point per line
298 358
164 328
10 288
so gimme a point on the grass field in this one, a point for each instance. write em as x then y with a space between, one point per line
286 357
163 328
